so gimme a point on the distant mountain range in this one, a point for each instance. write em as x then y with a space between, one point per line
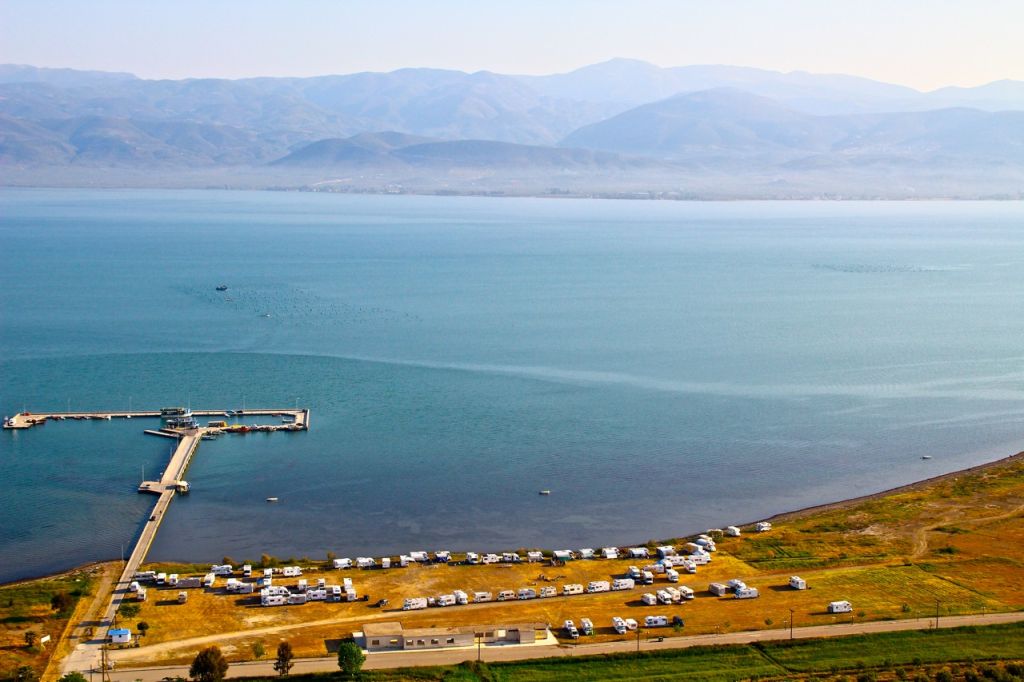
621 123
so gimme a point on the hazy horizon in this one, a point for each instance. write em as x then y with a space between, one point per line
916 43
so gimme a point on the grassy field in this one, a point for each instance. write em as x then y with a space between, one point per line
881 655
25 607
956 544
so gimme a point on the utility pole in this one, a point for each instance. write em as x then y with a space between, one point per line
638 641
791 623
936 614
479 644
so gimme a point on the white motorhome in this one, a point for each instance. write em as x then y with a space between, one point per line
746 592
472 558
686 592
840 607
414 604
623 584
490 559
343 563
209 579
732 531
736 584
619 625
656 621
672 575
718 589
797 583
511 558
222 569
639 553
534 557
445 600
598 586
763 527
365 562
664 597
587 626
610 553
385 562
631 624
507 595
442 556
572 588
419 557
648 578
247 571
649 599
548 591
666 550
460 597
291 571
527 593
481 597
586 553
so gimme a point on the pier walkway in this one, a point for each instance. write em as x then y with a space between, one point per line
86 655
26 420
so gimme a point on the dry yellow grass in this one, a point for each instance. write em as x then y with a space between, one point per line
958 540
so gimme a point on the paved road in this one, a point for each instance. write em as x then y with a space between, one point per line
511 653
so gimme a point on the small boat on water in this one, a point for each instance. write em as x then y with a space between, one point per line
271 499
545 492
222 287
926 456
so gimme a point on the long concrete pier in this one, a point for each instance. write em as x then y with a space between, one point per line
86 655
26 420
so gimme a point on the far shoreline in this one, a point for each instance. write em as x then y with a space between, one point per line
782 516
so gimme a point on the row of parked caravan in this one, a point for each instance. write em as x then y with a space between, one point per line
624 625
279 595
459 597
403 560
702 545
668 595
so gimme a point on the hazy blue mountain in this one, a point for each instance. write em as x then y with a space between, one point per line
730 124
627 83
697 130
630 82
720 122
20 73
1000 95
389 148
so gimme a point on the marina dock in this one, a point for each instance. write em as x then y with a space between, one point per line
26 420
167 486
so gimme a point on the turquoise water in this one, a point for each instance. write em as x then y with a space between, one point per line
661 367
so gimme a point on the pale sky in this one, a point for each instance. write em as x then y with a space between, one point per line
922 43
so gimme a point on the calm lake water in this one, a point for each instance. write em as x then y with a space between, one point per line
660 367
